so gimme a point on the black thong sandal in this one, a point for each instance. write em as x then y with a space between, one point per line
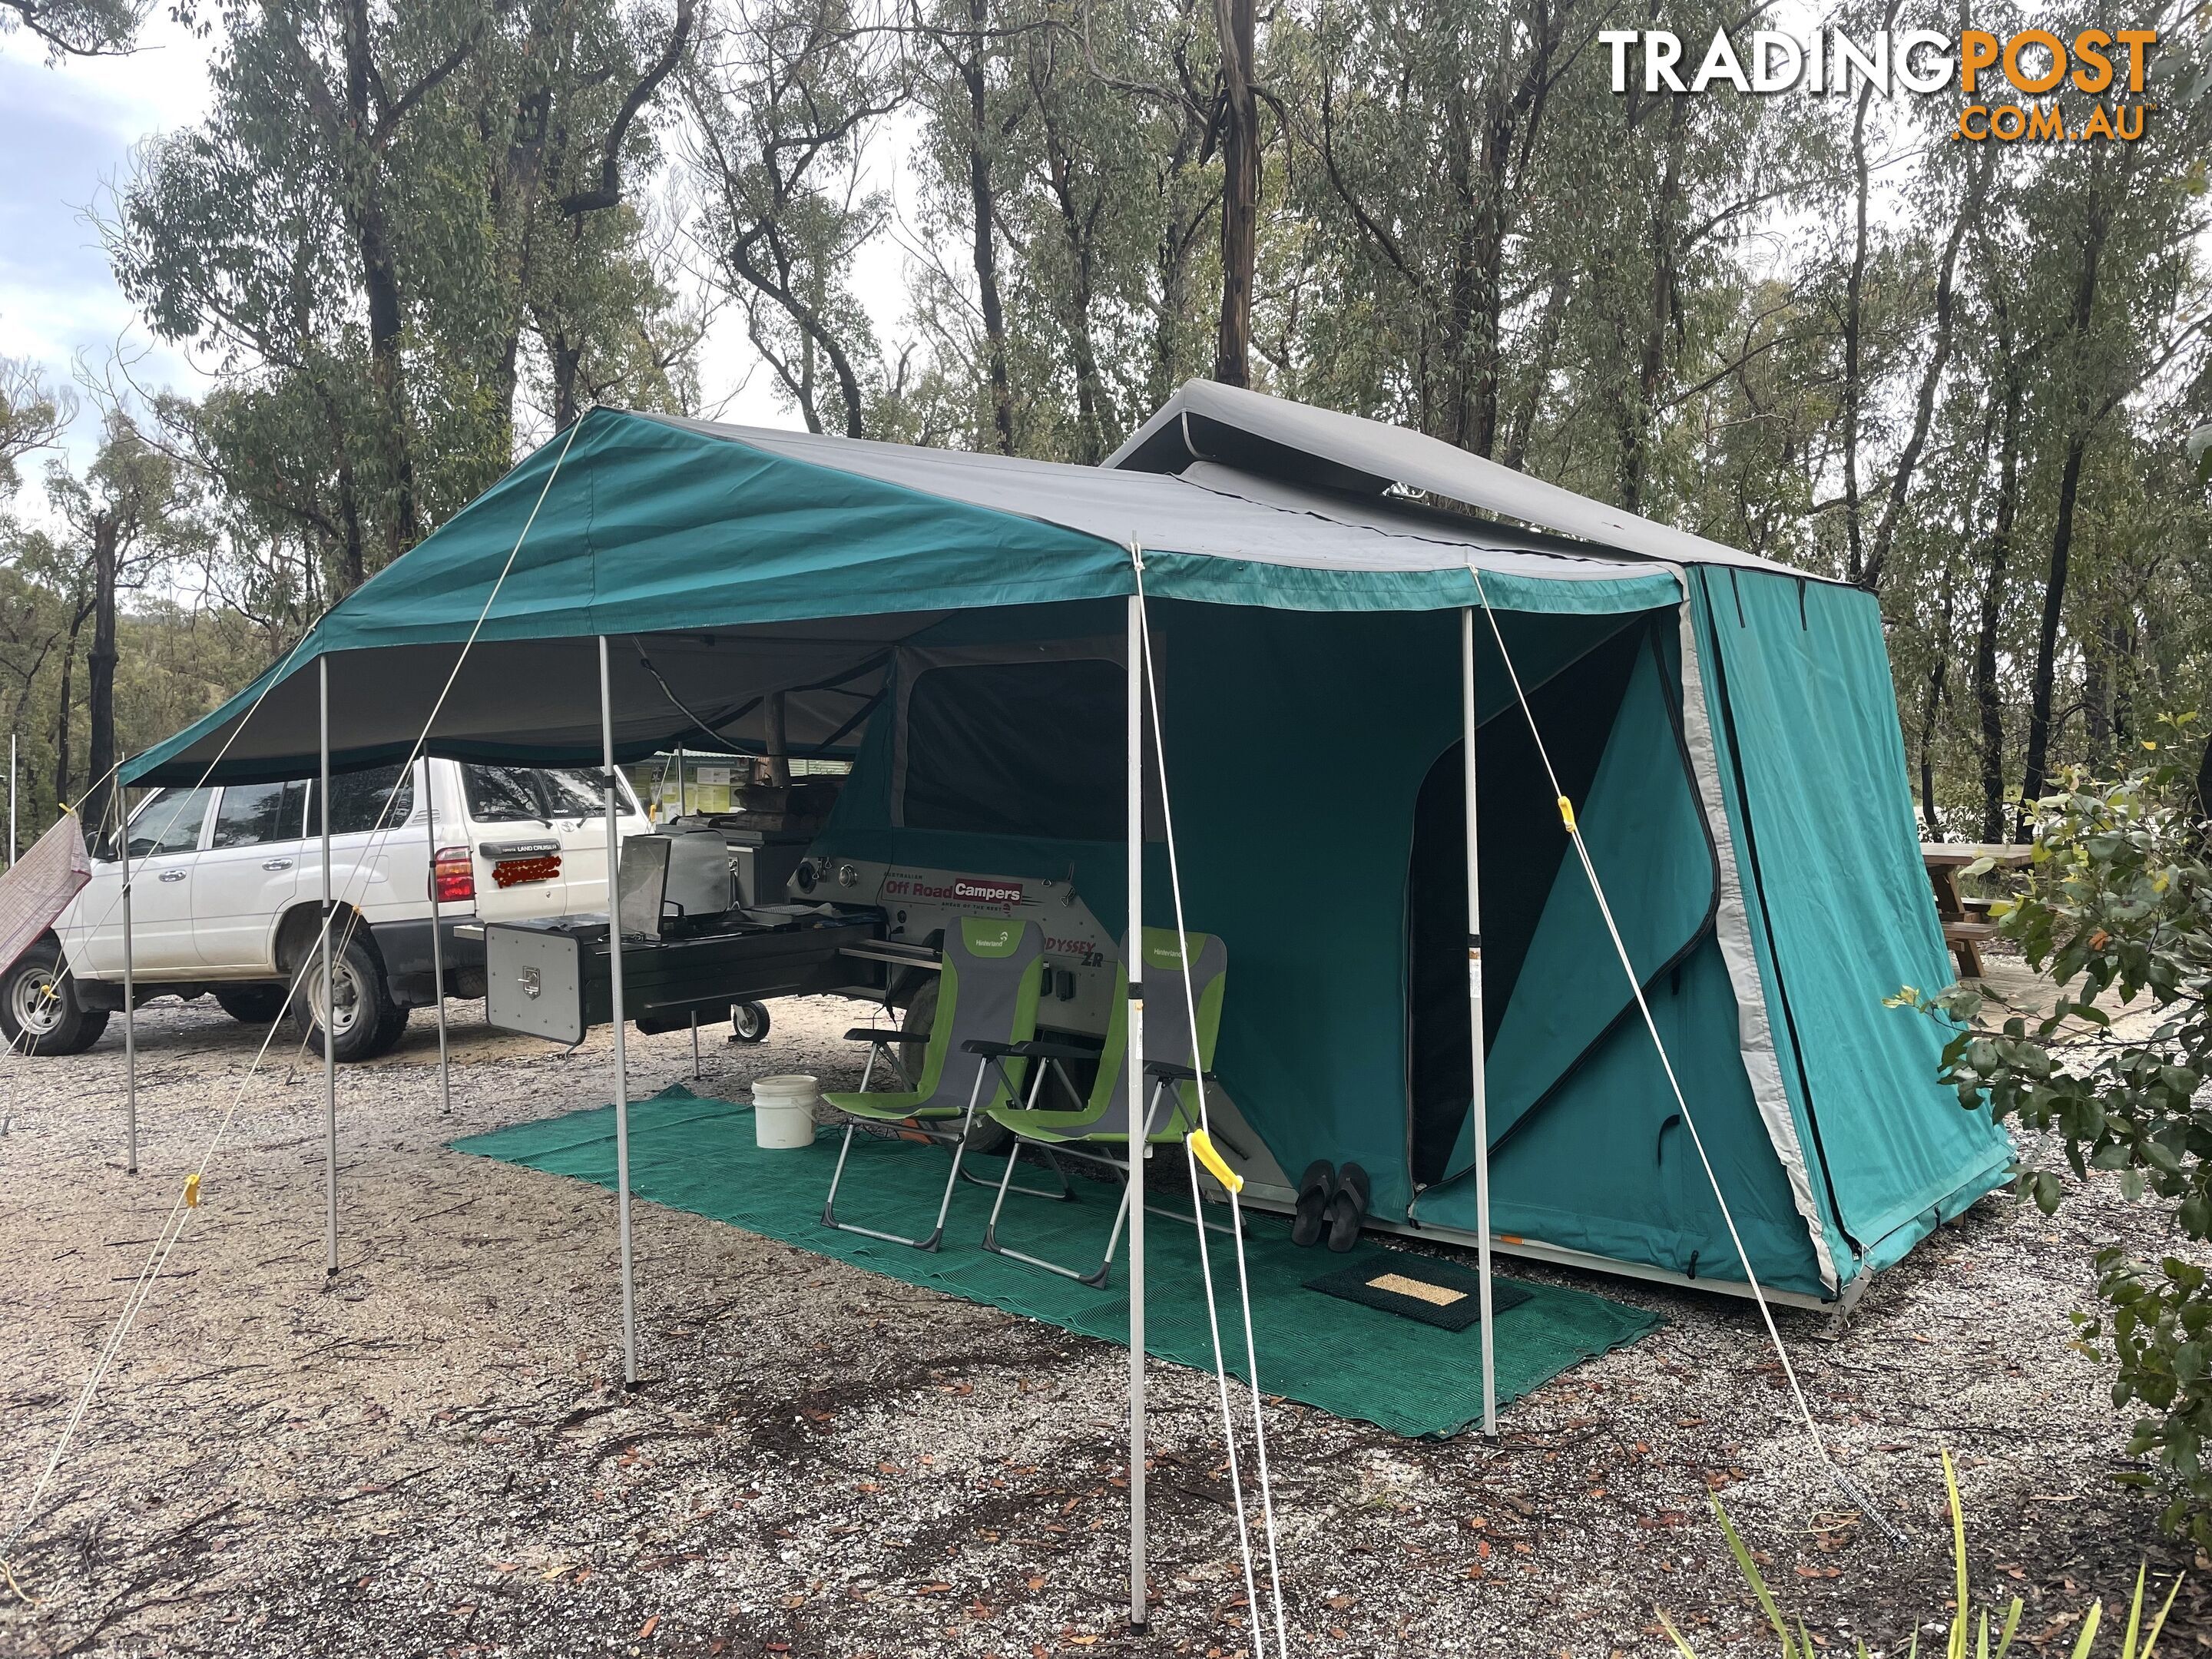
1347 1208
1315 1189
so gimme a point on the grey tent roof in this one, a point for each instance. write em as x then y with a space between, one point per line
1162 511
1343 455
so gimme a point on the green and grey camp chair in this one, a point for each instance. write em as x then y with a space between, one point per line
1102 1119
987 1004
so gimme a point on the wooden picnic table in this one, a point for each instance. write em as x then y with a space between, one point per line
1962 930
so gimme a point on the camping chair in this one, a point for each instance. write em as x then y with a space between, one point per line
986 1003
1102 1117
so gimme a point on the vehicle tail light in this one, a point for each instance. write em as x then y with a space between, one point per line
453 876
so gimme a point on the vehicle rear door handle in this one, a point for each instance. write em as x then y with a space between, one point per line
277 864
172 875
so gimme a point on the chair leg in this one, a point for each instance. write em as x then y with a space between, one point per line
1066 1193
1099 1276
935 1236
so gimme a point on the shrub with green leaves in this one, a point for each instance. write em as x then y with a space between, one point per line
2118 898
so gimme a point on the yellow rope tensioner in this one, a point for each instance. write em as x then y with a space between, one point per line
1202 1148
192 1190
1567 814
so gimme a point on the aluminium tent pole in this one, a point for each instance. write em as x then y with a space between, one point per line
1479 1103
437 944
11 800
615 998
130 981
1134 1086
330 1002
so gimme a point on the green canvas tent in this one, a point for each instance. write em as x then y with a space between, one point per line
1725 727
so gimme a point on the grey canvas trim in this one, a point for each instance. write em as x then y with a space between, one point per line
1732 931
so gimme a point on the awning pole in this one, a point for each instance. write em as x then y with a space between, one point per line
1479 1103
437 944
1134 1083
129 982
330 1002
11 800
615 1001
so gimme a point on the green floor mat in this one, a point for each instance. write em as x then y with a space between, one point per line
693 1152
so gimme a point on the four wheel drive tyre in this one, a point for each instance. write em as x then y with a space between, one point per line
40 1013
251 1005
367 1022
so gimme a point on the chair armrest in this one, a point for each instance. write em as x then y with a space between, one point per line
884 1034
1169 1071
1045 1048
988 1049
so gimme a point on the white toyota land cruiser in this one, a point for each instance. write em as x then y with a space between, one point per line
225 883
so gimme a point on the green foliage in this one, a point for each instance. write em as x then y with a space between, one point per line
1969 1632
2117 903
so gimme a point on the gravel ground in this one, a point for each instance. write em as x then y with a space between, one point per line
432 1454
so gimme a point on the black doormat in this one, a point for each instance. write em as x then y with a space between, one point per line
1420 1287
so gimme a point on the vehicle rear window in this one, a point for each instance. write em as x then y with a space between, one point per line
572 791
533 794
501 794
361 801
252 813
170 822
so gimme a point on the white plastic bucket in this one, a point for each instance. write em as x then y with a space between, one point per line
783 1110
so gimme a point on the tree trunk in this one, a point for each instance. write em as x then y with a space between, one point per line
2096 227
1931 710
2041 687
1939 356
1854 386
1539 374
566 358
982 208
62 717
1993 580
387 376
1240 191
1638 413
99 670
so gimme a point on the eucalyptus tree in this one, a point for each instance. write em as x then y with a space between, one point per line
132 514
77 28
386 208
33 417
784 96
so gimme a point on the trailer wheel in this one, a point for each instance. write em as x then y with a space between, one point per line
748 1022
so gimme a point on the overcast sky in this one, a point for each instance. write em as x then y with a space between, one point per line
68 131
